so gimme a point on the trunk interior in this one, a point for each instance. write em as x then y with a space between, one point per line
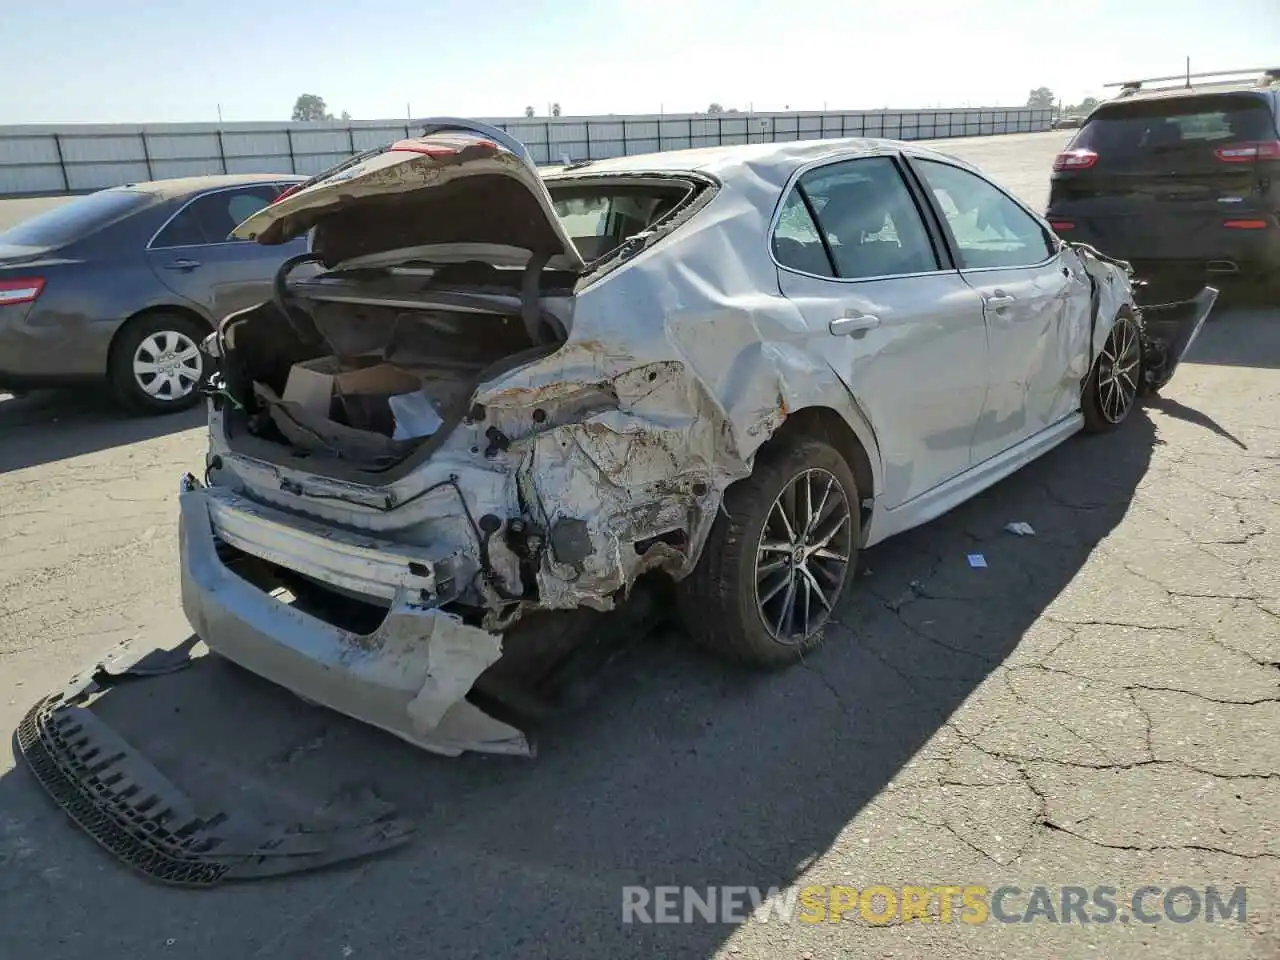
362 378
360 373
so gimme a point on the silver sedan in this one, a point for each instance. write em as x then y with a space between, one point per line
509 399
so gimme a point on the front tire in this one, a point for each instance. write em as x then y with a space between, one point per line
1111 391
156 365
778 558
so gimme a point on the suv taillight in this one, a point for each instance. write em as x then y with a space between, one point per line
1078 159
1248 152
21 290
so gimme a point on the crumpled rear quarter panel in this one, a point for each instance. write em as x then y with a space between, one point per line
678 367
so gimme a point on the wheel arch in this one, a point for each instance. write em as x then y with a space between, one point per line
155 310
854 441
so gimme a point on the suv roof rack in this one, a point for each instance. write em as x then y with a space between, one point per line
1266 76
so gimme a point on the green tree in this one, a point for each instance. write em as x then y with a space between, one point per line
555 109
528 111
1040 97
715 108
310 107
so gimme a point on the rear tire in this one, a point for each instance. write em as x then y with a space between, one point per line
156 365
759 557
1111 391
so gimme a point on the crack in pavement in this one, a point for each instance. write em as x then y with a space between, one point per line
1130 688
1155 847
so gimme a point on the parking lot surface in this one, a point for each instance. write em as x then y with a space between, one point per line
1098 706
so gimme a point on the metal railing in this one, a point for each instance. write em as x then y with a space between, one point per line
67 159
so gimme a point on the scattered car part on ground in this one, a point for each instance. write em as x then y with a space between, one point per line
136 813
123 284
1181 180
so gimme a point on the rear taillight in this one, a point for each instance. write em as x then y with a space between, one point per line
1249 152
1079 159
1061 225
22 290
1252 223
436 150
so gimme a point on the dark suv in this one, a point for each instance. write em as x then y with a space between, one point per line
1184 183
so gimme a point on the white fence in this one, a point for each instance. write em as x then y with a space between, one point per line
49 159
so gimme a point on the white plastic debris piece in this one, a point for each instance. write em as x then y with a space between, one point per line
415 416
1020 528
977 560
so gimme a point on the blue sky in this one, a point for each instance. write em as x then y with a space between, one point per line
129 60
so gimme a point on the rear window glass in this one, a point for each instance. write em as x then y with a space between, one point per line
1154 128
77 218
599 218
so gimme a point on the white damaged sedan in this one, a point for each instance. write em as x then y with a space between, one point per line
492 402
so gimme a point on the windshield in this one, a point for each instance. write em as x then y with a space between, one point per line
68 222
1181 130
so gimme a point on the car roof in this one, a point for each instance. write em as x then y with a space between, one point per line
726 162
1200 90
181 186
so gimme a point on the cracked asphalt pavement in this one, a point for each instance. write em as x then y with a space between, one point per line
1098 706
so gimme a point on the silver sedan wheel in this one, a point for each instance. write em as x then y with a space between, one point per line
168 365
802 556
1118 371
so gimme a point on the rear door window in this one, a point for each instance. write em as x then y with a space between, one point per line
866 216
211 218
1175 133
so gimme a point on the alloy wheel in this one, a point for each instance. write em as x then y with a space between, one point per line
167 365
1118 371
803 555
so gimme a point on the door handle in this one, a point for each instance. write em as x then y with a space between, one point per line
999 299
182 264
852 324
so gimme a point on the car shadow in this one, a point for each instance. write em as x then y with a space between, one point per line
46 426
1199 418
680 771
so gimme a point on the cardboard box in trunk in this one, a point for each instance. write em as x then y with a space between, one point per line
311 432
315 384
347 412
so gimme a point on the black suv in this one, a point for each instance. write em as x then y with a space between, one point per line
1184 183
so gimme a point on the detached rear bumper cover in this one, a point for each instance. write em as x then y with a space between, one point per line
129 807
409 677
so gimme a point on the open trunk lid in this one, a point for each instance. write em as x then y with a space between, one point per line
460 192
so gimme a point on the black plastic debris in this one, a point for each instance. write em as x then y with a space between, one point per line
129 807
